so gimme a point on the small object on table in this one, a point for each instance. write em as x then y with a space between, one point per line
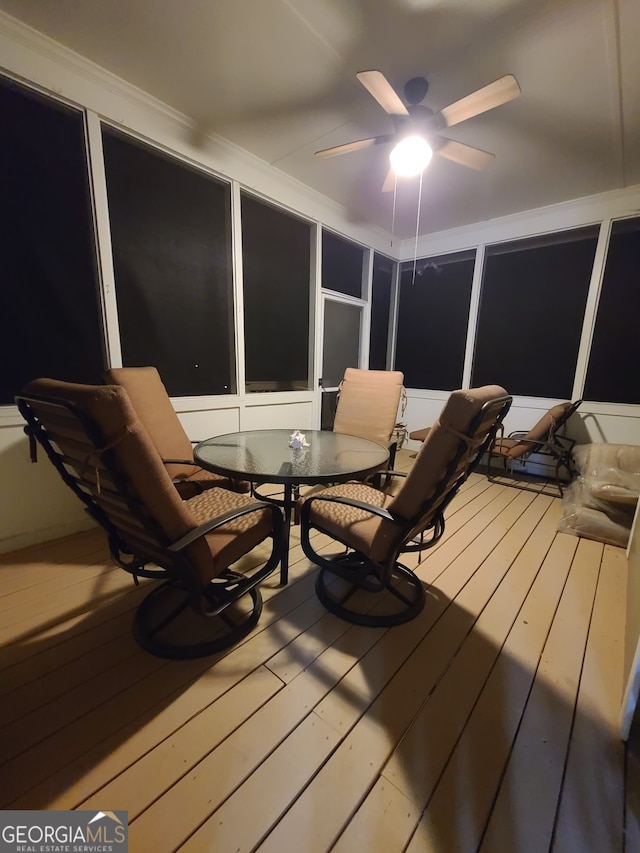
298 440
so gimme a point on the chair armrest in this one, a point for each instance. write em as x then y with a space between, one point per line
533 441
386 474
376 479
180 462
220 520
395 473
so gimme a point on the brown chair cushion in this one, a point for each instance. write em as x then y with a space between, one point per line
420 434
368 403
236 538
109 406
151 401
355 526
539 432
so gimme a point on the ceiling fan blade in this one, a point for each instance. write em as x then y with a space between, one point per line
465 155
379 87
389 181
355 146
493 95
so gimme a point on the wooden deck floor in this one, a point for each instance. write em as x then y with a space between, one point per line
487 723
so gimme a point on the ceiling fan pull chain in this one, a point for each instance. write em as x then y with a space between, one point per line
415 248
393 210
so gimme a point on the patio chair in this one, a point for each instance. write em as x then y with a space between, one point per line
367 406
547 437
419 434
376 528
368 403
94 438
152 403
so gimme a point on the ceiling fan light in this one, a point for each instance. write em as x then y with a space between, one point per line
411 156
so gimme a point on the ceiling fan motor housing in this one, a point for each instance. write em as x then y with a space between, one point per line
419 120
415 90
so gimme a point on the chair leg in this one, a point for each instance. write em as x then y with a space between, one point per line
167 626
365 599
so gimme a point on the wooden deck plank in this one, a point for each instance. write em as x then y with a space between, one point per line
154 773
54 641
271 788
416 765
59 643
591 810
523 815
82 757
28 579
451 548
394 685
66 691
80 598
171 819
49 554
394 818
447 577
458 811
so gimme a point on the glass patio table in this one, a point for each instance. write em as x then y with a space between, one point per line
264 456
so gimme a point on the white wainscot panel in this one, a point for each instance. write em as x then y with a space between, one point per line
36 504
421 412
609 429
201 425
279 416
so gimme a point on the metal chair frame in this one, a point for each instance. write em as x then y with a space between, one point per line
363 574
557 446
139 540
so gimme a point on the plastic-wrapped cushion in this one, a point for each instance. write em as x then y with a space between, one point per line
594 524
600 503
611 493
592 458
611 471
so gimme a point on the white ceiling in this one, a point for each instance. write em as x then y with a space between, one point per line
277 78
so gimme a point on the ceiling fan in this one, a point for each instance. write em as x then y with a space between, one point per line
415 119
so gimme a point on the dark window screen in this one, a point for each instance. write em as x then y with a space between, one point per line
328 406
49 303
613 374
341 265
532 305
276 256
171 239
380 311
433 316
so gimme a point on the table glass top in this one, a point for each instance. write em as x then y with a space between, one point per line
265 455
